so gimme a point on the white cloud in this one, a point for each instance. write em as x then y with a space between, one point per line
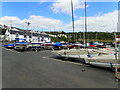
43 22
64 6
35 22
104 23
55 0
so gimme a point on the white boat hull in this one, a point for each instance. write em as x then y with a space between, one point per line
106 60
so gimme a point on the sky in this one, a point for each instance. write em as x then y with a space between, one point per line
56 16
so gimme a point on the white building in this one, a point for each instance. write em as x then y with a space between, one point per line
60 35
1 37
26 35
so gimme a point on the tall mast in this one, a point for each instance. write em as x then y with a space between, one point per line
85 25
73 21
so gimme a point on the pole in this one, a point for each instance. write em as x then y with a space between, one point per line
27 27
96 36
116 54
85 25
27 31
11 30
73 21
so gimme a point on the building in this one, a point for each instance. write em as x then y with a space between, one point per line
16 34
2 32
60 35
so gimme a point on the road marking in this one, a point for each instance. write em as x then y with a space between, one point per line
64 61
10 50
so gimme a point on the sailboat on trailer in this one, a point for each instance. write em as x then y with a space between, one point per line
76 53
98 57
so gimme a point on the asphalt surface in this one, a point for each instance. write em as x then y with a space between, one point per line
42 70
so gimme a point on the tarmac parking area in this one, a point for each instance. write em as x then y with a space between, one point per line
44 70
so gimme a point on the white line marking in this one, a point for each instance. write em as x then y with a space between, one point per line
10 50
64 61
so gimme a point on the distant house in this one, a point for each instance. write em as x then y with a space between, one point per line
60 35
52 35
25 35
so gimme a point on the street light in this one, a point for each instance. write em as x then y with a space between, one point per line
11 29
28 23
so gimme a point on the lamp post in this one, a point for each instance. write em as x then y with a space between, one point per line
11 29
28 23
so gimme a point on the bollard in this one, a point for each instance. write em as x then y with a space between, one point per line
117 72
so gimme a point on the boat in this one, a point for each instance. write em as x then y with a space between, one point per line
109 60
10 46
72 51
20 46
78 53
48 46
57 46
103 57
35 46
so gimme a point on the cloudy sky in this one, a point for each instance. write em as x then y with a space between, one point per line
56 16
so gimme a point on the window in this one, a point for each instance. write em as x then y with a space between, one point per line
38 36
42 37
30 36
25 36
17 35
38 39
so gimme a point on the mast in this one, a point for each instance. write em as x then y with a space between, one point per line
85 25
73 25
86 29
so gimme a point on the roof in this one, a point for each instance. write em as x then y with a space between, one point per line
14 32
28 33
